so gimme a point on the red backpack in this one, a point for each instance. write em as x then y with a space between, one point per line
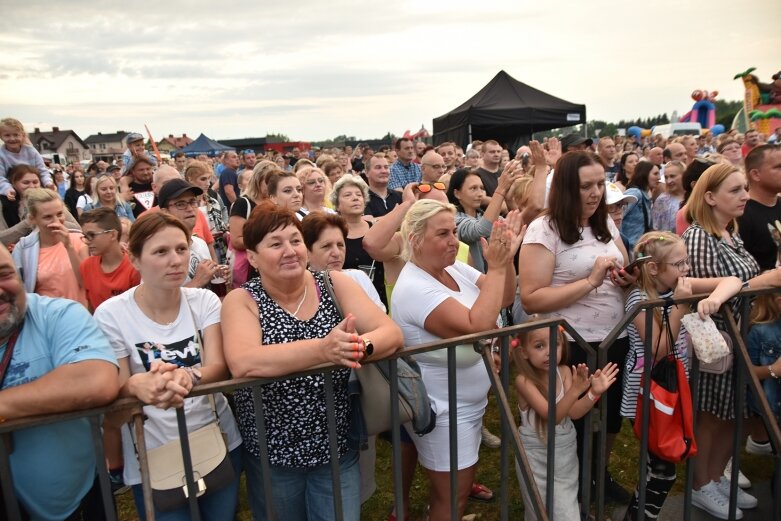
671 418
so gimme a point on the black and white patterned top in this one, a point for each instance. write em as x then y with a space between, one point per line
294 409
711 256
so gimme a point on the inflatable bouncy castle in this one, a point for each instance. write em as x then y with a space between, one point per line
761 103
704 110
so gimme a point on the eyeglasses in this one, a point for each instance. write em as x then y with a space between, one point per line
425 188
616 208
90 236
184 205
315 181
679 265
248 151
438 167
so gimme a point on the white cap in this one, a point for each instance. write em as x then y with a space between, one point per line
614 195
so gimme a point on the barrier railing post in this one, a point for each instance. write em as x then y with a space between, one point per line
398 484
648 360
192 496
504 453
452 399
6 480
265 467
553 341
143 461
333 443
105 484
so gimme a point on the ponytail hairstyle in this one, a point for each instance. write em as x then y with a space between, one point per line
656 245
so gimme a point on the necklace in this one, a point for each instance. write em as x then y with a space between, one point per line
300 302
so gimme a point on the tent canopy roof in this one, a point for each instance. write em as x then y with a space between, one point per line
507 107
205 145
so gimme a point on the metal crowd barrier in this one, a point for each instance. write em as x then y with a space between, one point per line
595 422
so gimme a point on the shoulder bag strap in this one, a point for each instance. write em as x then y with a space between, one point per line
330 290
199 340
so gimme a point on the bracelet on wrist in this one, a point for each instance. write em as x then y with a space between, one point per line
772 373
591 283
195 375
593 397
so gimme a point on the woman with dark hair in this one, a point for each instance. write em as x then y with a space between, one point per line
626 169
637 218
78 187
690 177
467 194
572 257
287 321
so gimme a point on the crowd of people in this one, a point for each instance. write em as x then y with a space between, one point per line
148 277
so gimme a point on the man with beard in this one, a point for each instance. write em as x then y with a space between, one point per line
137 183
55 360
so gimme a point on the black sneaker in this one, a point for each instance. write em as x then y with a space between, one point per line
118 486
615 492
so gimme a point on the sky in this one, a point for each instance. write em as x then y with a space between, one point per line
317 69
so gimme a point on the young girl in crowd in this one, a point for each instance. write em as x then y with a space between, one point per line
17 150
764 348
576 394
663 276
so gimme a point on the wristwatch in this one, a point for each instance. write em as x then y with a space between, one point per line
369 348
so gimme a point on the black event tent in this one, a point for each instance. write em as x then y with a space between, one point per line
509 112
204 145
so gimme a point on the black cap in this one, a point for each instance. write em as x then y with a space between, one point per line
113 168
173 189
573 140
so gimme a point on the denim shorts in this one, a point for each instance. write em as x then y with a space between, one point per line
305 494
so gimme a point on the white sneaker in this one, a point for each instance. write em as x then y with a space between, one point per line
709 498
490 440
753 447
745 500
743 481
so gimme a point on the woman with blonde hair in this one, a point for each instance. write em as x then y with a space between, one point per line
48 259
316 188
200 174
105 196
716 250
436 298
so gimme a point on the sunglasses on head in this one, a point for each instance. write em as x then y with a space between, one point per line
425 188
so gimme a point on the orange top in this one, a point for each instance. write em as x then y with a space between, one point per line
55 277
101 285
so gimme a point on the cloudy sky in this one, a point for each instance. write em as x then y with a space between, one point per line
317 69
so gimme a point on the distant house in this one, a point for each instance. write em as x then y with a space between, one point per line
63 146
107 147
170 144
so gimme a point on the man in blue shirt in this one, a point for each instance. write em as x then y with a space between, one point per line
59 361
404 171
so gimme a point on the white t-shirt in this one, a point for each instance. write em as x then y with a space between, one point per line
595 314
136 337
83 201
415 295
199 251
366 284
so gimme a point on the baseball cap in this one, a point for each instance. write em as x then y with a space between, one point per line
131 164
573 140
133 137
173 189
614 195
113 168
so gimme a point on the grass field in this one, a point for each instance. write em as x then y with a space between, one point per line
623 465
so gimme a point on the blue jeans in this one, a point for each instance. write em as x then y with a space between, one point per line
220 504
305 494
